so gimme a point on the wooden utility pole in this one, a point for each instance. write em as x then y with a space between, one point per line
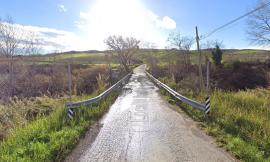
70 62
200 61
69 81
208 78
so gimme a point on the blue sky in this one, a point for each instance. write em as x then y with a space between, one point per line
84 24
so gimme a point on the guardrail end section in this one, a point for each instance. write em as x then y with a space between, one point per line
68 105
70 113
207 105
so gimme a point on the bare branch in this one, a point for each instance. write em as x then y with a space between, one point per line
259 25
182 43
123 49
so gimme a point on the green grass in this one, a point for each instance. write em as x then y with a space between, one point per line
19 112
76 55
51 138
82 57
240 121
244 115
166 57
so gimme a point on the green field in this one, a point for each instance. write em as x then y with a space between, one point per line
163 56
166 56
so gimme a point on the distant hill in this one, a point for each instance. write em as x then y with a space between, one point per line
89 51
163 50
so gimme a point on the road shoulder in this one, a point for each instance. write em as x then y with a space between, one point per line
85 142
197 129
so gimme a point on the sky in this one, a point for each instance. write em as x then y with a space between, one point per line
84 24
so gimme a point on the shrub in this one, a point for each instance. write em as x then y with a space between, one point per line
18 112
52 80
217 56
240 76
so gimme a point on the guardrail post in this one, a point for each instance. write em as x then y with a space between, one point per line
70 112
207 99
207 105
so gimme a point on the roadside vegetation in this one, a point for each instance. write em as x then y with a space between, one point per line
34 125
239 118
52 137
34 88
39 98
33 122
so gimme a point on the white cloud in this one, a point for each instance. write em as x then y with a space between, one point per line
54 39
105 18
62 8
166 23
122 17
259 47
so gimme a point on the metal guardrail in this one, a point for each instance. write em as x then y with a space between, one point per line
73 105
194 104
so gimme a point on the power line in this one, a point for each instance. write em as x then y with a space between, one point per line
234 20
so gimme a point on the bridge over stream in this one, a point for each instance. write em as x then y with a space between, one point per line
142 126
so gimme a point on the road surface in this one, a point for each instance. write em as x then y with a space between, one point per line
141 126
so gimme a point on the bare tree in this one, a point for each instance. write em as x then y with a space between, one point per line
259 24
187 43
10 45
181 43
123 49
32 45
10 37
211 44
16 41
175 40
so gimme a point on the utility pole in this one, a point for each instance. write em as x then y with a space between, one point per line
70 77
200 60
208 78
69 81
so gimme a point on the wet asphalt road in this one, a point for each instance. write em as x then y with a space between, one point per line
141 126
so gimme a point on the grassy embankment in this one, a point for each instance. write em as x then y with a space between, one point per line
52 137
239 120
37 128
